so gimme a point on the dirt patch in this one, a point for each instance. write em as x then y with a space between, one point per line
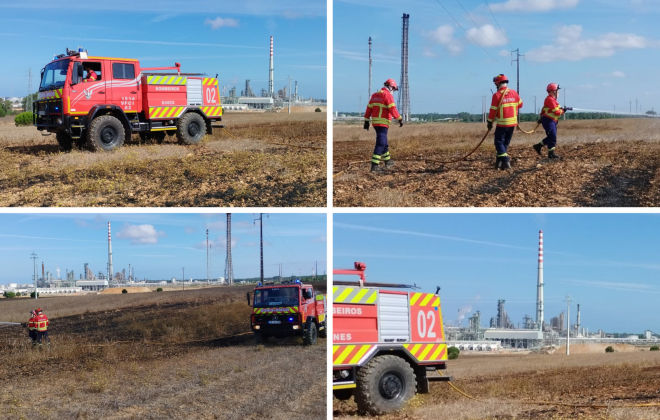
119 290
613 163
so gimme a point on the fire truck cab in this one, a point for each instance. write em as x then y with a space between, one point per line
384 342
288 308
99 102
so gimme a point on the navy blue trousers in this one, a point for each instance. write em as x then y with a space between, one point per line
550 127
381 151
503 137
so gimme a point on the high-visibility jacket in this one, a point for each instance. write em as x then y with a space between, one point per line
42 322
381 109
507 112
551 108
91 77
32 323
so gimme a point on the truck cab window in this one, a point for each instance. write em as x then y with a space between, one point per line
123 71
92 71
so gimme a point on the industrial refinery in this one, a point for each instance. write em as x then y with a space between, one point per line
501 332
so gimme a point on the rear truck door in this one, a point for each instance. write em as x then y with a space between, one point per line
124 86
320 307
211 97
394 318
426 330
355 325
165 96
85 95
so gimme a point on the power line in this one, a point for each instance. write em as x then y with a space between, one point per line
476 25
466 32
498 25
285 244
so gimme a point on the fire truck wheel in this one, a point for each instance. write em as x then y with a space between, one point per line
190 128
343 394
384 385
64 140
309 339
105 133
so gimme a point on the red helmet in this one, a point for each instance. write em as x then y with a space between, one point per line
391 83
500 78
553 86
38 310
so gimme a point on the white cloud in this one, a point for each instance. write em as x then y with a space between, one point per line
321 238
618 74
487 36
429 53
140 234
533 5
376 58
444 35
570 46
219 22
504 53
587 86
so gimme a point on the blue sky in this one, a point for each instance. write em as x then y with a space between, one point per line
603 52
159 245
212 36
607 262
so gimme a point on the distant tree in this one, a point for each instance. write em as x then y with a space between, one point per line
453 352
655 348
10 295
124 291
26 102
609 349
318 110
32 295
651 112
160 289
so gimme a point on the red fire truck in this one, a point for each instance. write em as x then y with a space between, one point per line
288 308
101 101
384 342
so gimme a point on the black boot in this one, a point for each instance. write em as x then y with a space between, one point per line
389 164
552 155
538 147
505 165
376 169
498 162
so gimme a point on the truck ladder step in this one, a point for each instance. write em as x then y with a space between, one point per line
78 126
217 126
440 378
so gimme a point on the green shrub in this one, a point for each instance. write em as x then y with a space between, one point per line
124 291
2 112
160 289
10 295
32 295
24 118
453 352
655 348
318 110
609 349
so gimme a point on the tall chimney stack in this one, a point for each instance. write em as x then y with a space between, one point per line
110 271
539 293
577 327
271 89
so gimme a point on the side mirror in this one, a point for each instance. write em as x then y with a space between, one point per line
248 298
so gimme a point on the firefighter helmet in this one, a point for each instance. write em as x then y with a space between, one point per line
553 86
391 83
500 78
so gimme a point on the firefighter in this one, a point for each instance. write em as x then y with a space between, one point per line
91 74
549 118
504 108
381 109
42 323
32 327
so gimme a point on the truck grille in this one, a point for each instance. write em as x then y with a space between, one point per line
49 112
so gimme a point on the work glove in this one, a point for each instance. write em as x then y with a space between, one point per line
489 125
401 123
366 125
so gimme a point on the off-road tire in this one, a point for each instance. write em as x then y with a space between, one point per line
324 332
105 133
64 140
384 385
309 339
343 394
191 128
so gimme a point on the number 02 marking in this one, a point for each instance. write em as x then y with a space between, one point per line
210 95
421 324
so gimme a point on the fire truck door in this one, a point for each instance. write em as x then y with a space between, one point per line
426 318
86 94
125 91
393 317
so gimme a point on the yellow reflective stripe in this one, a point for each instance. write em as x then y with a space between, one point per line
359 295
169 114
344 294
391 105
334 289
414 349
425 352
437 302
426 300
344 354
414 299
493 107
344 386
156 79
436 353
149 79
334 349
370 105
359 354
379 105
373 297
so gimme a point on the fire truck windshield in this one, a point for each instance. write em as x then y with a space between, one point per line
276 296
54 75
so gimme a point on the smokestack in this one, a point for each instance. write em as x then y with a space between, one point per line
539 292
577 327
43 274
110 271
270 71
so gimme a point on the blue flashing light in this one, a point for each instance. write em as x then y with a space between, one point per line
259 283
297 280
57 108
291 318
80 49
54 57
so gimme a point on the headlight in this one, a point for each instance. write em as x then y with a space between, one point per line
58 121
296 327
344 374
257 327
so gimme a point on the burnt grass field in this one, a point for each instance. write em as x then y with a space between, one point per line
176 354
275 160
610 163
508 386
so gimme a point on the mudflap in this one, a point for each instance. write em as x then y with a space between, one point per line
422 380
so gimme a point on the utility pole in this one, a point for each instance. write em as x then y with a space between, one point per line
568 323
207 256
183 277
483 109
211 261
289 98
369 92
261 228
517 60
535 108
28 102
34 257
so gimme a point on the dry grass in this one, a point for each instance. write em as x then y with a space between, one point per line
176 364
606 163
249 170
507 384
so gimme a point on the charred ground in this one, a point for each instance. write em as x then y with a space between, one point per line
610 163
